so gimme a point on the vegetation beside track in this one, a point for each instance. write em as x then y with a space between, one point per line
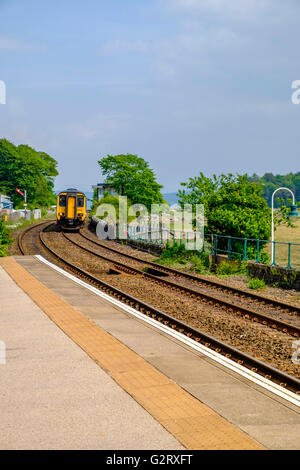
13 232
5 239
177 256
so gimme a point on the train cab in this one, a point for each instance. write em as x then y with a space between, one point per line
70 209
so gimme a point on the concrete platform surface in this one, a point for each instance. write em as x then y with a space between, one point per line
53 396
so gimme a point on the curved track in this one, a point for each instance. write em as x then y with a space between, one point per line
20 238
235 354
248 361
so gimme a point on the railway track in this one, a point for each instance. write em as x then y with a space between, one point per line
231 307
258 366
202 281
20 238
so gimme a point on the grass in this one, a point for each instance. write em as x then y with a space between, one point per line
177 256
257 284
287 234
22 223
225 269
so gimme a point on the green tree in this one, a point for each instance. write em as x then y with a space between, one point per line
131 176
271 182
24 168
233 206
282 199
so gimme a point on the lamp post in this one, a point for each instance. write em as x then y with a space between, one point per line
293 213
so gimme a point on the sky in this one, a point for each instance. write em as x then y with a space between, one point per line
189 85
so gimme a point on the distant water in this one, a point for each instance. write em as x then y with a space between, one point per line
89 198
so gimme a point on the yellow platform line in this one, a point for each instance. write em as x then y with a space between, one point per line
191 422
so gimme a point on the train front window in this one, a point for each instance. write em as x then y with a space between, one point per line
62 201
80 201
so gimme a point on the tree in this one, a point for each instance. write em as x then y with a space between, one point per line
233 206
282 200
24 168
271 182
131 176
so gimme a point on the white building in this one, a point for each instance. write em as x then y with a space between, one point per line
5 202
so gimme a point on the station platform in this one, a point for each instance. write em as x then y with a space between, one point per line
82 373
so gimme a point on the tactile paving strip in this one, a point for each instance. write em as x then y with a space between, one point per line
194 424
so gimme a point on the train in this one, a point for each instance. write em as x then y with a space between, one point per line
70 209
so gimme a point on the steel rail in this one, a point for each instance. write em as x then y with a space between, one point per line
28 229
244 311
264 369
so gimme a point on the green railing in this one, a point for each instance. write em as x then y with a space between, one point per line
285 254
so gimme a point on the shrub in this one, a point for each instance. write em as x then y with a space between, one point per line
177 254
173 251
226 268
256 283
4 238
264 258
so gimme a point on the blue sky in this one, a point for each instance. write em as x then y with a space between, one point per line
189 85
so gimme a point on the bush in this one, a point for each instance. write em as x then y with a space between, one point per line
4 238
200 262
177 254
226 268
173 251
256 283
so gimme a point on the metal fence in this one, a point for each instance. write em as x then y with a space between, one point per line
285 254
